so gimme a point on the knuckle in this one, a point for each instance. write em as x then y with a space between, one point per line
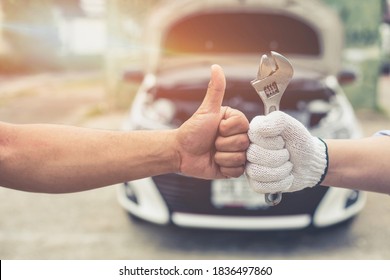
233 172
243 142
239 158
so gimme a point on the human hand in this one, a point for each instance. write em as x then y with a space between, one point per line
283 156
212 143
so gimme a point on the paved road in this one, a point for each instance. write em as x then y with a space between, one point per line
91 225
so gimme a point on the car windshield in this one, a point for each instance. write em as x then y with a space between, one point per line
217 33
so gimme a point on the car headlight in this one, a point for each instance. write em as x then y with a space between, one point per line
340 121
161 110
147 113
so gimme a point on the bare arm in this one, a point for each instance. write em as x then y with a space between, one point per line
360 164
58 159
53 158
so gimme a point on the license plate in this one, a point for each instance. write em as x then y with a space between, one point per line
235 193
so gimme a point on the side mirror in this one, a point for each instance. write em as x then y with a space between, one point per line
346 77
133 76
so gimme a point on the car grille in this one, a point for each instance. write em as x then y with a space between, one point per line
191 195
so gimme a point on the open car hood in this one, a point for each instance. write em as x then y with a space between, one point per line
307 32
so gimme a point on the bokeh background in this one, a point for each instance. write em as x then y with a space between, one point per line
62 61
106 35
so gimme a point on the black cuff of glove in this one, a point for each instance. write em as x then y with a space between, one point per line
327 163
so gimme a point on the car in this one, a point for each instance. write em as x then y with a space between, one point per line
183 38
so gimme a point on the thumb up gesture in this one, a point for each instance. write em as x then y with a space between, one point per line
213 142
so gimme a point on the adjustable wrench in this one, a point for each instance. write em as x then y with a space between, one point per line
274 75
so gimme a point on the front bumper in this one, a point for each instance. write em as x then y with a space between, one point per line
187 202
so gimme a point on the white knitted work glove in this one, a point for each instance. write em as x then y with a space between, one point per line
283 156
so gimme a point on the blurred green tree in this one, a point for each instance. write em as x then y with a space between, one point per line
361 22
361 19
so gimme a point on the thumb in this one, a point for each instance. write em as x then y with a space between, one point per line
216 89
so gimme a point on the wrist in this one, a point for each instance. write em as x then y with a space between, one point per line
173 148
157 152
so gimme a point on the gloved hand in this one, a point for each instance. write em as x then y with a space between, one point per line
283 156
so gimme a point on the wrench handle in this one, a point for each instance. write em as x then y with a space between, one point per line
270 109
272 198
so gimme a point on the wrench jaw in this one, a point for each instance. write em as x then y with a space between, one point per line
274 75
283 65
267 67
